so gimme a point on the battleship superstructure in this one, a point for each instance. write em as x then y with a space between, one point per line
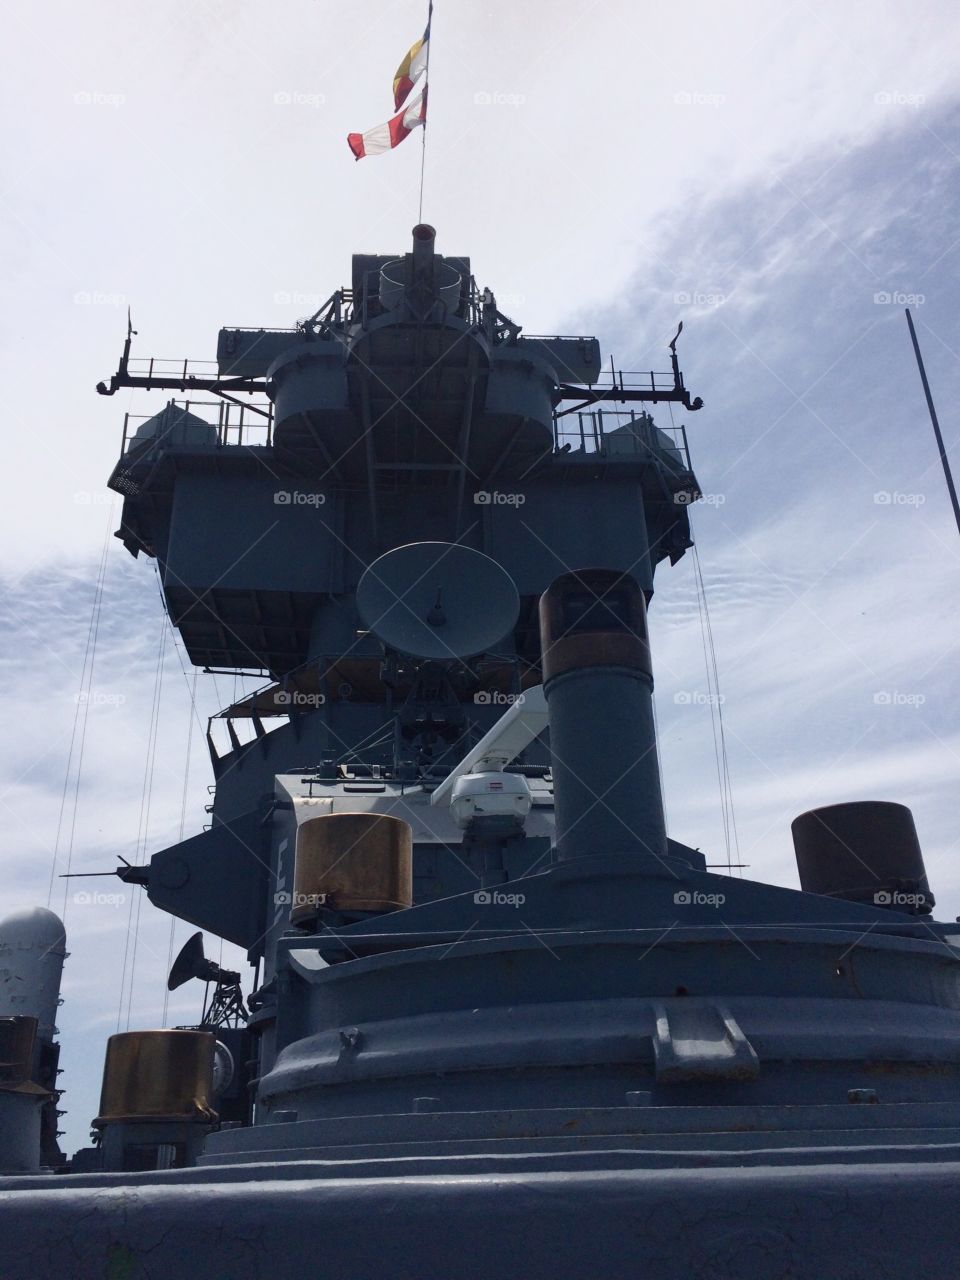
501 1024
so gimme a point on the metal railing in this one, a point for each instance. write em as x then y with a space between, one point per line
235 424
159 367
589 431
652 382
344 307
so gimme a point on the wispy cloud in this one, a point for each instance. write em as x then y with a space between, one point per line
111 797
830 556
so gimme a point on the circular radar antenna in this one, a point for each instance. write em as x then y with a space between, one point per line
438 600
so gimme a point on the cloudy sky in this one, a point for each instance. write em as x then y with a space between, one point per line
782 178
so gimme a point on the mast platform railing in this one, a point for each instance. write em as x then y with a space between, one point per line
619 433
236 424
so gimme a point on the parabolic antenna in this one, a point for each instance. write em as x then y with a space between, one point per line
191 963
188 962
438 600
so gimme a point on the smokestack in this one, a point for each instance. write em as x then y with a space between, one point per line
865 851
419 281
424 238
598 683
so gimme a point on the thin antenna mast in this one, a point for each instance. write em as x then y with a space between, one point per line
426 90
945 461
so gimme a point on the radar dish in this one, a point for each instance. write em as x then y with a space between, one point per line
438 600
188 963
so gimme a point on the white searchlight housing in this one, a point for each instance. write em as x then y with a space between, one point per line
476 796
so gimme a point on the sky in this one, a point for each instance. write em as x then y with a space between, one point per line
784 179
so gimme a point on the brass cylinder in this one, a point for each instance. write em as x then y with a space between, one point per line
158 1075
352 862
865 851
593 618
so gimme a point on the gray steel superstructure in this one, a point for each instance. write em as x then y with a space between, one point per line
502 1024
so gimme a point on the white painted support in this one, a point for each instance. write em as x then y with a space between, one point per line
513 733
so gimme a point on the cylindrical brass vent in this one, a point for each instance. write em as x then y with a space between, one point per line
593 618
352 862
865 851
158 1075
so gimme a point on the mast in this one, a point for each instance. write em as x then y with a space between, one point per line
944 460
426 83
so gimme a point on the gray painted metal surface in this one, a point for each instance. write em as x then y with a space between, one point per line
833 1221
602 1061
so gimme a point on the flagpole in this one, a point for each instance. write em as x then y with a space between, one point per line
426 86
944 460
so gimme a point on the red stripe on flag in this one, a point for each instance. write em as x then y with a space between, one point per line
398 129
401 88
387 136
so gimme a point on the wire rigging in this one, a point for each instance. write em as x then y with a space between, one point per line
663 788
152 755
715 700
80 722
716 715
133 922
180 655
183 818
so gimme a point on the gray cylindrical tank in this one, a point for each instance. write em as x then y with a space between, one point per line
866 851
307 378
32 952
20 1098
395 284
599 688
516 427
521 385
20 1127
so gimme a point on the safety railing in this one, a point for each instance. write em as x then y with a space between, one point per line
234 424
159 367
652 382
617 433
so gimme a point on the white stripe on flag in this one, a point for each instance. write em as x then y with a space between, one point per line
376 141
